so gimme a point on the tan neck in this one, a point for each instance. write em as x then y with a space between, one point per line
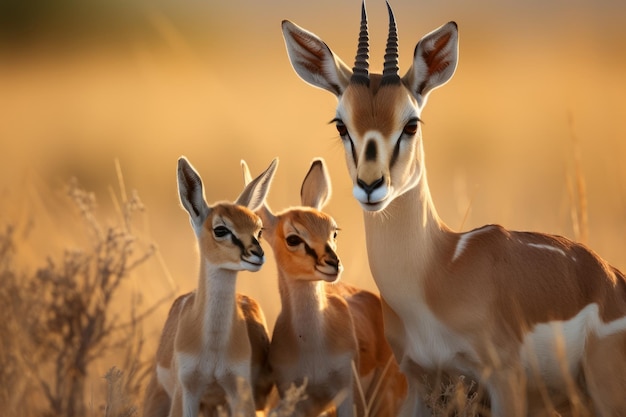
302 301
406 238
215 304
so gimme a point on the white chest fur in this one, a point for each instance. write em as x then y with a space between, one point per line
431 344
554 350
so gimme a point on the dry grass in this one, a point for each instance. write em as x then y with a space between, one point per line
60 320
147 102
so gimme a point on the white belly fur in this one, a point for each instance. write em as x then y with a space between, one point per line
555 349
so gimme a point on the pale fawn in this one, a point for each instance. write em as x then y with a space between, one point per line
213 350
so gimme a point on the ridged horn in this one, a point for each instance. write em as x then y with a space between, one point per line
360 72
390 70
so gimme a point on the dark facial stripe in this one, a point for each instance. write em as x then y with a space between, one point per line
256 248
238 243
311 252
396 153
354 158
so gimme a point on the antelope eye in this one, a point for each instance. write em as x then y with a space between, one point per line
341 128
335 235
293 240
410 129
260 234
221 231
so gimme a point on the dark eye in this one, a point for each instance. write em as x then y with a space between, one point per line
221 231
410 129
335 235
341 128
260 234
293 240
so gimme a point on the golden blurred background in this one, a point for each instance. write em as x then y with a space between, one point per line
539 98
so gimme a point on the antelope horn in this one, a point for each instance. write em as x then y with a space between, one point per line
390 69
360 73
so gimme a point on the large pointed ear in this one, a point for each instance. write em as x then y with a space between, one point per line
268 218
191 192
253 195
247 177
316 188
313 60
434 61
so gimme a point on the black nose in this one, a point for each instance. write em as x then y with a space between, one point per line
369 188
332 262
258 251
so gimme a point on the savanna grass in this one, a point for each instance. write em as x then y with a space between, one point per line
59 321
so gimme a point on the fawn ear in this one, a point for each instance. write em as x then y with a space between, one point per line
255 191
247 177
191 192
316 188
267 217
313 60
434 61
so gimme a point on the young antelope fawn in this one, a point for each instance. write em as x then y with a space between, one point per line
534 317
214 346
325 327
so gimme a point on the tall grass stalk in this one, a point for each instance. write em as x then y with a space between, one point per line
59 321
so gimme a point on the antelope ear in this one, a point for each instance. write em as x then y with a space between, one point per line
313 60
267 217
316 187
434 61
254 193
191 193
247 177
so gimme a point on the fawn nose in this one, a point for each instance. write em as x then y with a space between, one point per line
331 259
372 186
332 262
256 249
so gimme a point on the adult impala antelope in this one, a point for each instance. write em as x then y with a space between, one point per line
513 309
214 346
325 326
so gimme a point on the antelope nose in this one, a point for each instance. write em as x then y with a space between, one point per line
332 262
369 188
257 251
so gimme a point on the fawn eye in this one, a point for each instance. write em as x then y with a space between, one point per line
221 231
293 240
260 234
335 235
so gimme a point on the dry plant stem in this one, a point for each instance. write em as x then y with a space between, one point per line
577 190
117 396
61 318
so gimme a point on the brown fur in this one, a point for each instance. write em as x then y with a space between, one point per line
473 302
